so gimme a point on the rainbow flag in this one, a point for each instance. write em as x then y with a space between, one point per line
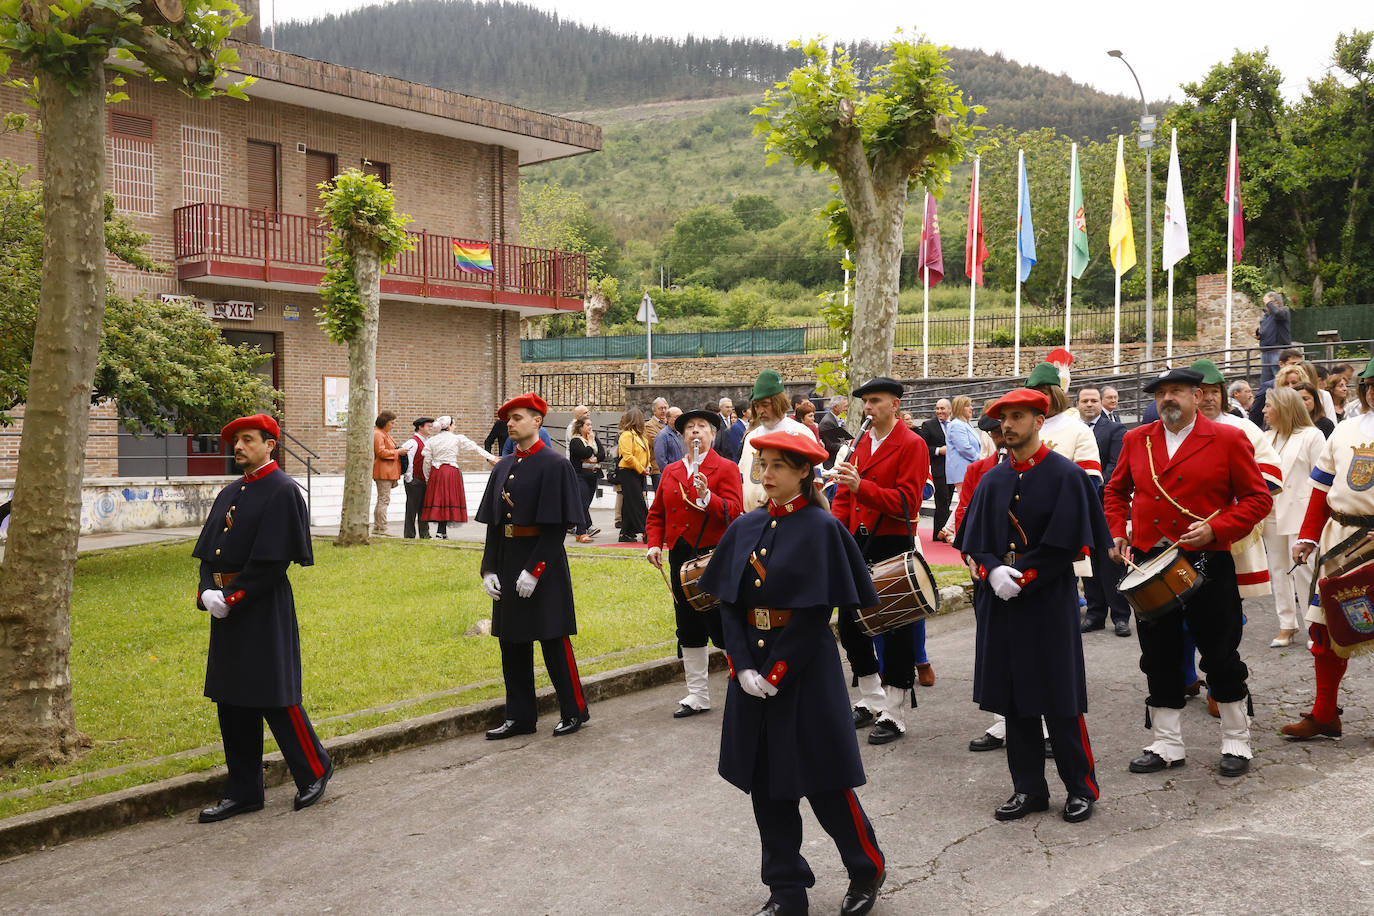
473 256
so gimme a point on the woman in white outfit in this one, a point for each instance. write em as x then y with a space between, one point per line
1299 444
445 499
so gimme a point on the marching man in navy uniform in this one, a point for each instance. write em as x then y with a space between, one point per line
1030 518
787 731
532 499
877 499
697 497
257 528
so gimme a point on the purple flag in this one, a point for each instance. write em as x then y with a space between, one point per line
932 258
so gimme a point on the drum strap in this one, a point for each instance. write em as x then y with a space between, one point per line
906 516
1150 454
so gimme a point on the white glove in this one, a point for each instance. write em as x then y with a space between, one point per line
1003 582
491 584
524 585
213 599
755 684
655 556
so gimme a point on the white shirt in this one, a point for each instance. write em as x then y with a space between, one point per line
409 447
1173 440
444 447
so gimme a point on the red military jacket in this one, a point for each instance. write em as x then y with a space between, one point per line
1213 469
674 514
901 467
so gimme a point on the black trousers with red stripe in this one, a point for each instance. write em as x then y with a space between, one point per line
241 729
517 666
1073 755
785 870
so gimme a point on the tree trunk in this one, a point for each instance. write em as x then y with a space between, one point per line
596 310
877 265
362 380
37 724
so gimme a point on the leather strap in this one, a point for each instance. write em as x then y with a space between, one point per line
521 531
222 580
766 618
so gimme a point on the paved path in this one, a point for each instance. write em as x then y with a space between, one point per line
628 816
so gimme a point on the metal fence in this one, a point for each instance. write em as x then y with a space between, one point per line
566 390
1039 327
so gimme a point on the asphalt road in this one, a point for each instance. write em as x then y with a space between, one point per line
629 816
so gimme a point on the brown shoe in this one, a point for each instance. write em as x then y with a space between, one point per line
1308 727
925 675
584 539
1212 708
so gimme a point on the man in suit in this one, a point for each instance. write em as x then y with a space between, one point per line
1110 398
933 432
1099 589
732 431
833 434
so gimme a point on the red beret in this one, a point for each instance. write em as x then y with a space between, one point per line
1061 356
529 400
798 443
257 421
1020 397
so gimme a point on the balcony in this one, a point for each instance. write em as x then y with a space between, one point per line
218 243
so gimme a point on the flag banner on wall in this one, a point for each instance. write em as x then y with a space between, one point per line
1078 227
1121 236
1025 228
473 256
932 257
1175 216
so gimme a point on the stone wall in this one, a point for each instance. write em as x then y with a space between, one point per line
136 503
1211 315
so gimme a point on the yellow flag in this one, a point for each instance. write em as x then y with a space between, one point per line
1121 237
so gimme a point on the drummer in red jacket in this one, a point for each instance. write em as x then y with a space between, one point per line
878 499
697 497
1186 480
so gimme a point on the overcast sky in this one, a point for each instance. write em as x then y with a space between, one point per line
1168 42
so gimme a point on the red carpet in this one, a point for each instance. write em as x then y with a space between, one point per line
937 553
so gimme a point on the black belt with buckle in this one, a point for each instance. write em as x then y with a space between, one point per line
766 618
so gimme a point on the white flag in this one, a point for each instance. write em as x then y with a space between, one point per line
1175 219
646 311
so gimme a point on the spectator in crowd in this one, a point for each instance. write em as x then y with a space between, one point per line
1110 398
1352 398
1298 444
580 412
1310 399
805 413
987 447
1289 357
386 469
934 432
962 439
652 427
414 477
669 445
586 455
1339 391
1241 396
632 467
495 442
1275 332
1315 379
831 429
732 433
445 496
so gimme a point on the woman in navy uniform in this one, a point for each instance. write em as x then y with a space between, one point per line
257 528
788 732
532 499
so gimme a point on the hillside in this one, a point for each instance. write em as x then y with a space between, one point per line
516 53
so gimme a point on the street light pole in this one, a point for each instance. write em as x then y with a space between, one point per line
1146 141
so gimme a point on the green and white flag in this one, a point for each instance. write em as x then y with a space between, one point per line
1078 224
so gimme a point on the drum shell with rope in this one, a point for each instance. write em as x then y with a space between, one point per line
688 575
1161 584
906 593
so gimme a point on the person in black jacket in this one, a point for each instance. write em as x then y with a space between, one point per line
495 442
1099 589
586 454
933 431
257 528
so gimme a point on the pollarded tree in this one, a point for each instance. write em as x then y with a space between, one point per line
902 128
67 48
367 236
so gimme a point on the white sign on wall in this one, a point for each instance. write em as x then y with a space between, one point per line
223 309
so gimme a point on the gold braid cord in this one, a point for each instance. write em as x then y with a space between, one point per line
1150 454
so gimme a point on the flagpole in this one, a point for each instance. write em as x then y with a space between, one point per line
925 284
1169 331
973 280
1016 324
1230 231
649 344
1068 255
1118 256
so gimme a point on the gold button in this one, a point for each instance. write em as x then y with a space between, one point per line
242 488
757 583
507 515
1011 546
763 552
216 551
773 523
1016 496
226 530
512 476
760 643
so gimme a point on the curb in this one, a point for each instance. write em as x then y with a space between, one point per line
169 797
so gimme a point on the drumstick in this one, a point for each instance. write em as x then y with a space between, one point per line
1204 521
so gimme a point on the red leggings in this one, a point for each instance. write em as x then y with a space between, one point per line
1330 668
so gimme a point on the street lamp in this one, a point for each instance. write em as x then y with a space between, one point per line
1146 141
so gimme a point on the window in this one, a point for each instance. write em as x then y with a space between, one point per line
261 175
200 174
131 156
319 168
381 169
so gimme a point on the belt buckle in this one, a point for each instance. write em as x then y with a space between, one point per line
508 530
762 621
1009 558
218 582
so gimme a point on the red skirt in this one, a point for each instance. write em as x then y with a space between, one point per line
445 500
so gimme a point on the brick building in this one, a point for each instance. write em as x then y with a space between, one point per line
227 190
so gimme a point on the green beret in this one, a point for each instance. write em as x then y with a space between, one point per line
769 383
1044 374
1368 369
1211 375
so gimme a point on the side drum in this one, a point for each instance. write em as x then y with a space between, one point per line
906 593
689 574
1161 584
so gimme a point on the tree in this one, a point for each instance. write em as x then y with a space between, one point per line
68 48
904 127
698 239
366 236
757 211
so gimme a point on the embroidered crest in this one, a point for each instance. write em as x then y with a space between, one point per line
1357 608
756 472
1361 473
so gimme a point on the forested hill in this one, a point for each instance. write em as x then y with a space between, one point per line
519 54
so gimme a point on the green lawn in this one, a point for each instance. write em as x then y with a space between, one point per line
381 641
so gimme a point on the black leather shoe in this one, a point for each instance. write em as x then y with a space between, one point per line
1019 805
568 726
861 896
1049 750
1123 628
863 717
774 908
227 808
313 791
683 711
1078 809
985 742
509 729
1234 765
1150 762
884 732
1090 625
